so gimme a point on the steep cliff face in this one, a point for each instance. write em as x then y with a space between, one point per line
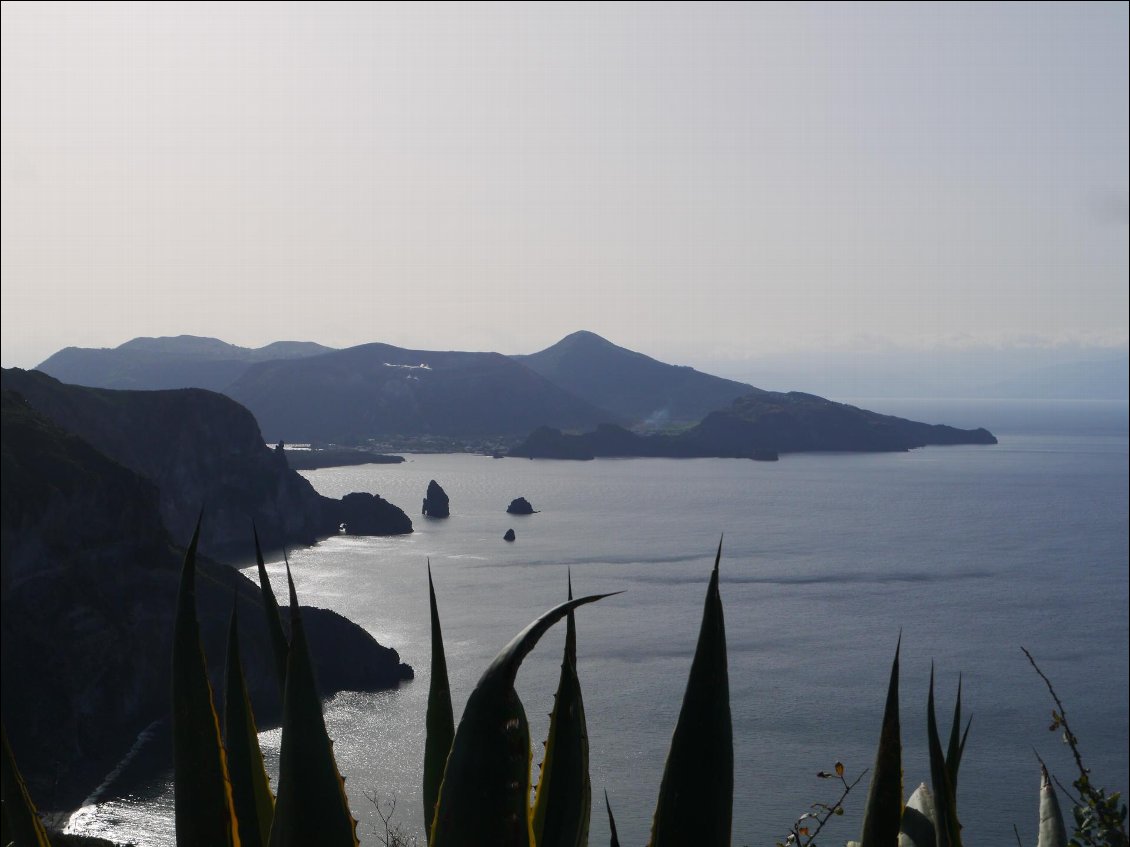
203 451
89 580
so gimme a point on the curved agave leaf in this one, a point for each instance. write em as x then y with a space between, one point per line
917 828
615 839
948 830
696 796
311 807
440 719
883 813
251 791
1053 833
563 802
205 814
21 820
484 798
274 617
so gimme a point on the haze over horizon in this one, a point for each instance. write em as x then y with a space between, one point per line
715 186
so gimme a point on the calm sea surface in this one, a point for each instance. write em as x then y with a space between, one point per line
970 552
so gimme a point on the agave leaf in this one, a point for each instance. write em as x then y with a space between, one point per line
917 828
883 813
948 830
615 839
440 719
311 807
696 796
21 820
251 790
202 788
274 617
1053 833
957 740
484 798
563 801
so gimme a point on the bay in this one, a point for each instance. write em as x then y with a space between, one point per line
970 552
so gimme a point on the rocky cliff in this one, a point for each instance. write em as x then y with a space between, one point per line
202 450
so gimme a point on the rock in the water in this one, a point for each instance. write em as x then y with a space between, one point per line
510 536
520 506
369 514
436 503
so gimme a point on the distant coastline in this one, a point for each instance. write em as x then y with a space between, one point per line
336 457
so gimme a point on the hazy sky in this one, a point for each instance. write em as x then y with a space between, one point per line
697 182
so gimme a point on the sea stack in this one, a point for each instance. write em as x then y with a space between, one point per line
436 503
520 506
510 536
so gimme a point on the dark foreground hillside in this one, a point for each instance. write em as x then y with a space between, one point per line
89 579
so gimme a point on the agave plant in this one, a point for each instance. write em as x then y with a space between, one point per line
1053 833
222 795
696 796
312 807
205 811
20 823
563 801
440 720
928 818
484 796
251 788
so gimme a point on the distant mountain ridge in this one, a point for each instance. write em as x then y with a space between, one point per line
301 392
182 361
348 396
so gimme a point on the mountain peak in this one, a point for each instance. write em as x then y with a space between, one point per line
631 384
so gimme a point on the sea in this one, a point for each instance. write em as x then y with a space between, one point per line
967 553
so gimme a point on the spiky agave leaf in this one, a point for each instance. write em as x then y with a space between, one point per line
614 840
563 801
696 796
202 789
311 807
279 642
948 830
251 790
1053 833
956 747
917 828
440 718
21 820
883 813
484 798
